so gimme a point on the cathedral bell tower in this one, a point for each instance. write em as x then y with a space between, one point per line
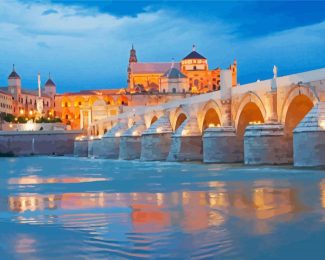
132 59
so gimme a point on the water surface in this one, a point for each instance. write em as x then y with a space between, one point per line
69 208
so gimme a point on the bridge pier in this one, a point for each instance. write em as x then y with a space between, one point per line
156 141
110 143
267 144
309 138
130 142
96 148
186 142
81 147
222 145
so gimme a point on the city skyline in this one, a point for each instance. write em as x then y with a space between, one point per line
103 32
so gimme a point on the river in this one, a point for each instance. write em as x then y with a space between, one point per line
71 208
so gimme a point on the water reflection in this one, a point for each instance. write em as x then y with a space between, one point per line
192 211
29 180
152 214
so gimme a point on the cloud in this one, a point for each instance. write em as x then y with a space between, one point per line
50 11
85 48
43 45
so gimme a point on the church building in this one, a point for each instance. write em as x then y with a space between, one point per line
190 75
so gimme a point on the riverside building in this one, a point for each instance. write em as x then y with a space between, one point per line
19 101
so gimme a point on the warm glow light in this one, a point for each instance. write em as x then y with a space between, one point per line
91 138
80 137
184 132
118 134
211 125
322 124
135 133
159 130
10 125
31 112
21 111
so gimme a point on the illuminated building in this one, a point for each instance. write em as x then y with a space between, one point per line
191 74
23 101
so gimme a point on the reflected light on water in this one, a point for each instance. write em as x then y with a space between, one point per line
152 212
130 217
29 180
25 244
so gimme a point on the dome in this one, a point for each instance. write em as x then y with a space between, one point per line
173 73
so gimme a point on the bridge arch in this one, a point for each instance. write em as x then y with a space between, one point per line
251 109
298 94
151 118
210 114
178 117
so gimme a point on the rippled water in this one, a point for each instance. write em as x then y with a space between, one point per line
68 208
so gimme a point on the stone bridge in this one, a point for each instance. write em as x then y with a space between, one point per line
280 120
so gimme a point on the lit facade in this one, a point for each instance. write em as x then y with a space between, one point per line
6 103
196 75
22 102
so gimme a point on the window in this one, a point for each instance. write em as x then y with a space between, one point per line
194 67
66 116
174 90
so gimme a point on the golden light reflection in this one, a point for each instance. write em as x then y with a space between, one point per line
32 180
262 207
25 244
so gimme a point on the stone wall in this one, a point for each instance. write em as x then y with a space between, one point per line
186 148
222 145
130 147
38 142
309 148
81 148
155 147
267 144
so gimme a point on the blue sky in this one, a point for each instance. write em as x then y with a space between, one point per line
85 44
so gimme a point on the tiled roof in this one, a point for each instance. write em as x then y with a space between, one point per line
194 55
152 67
92 92
174 73
14 75
33 92
49 82
4 92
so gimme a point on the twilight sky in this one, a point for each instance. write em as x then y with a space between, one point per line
85 44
